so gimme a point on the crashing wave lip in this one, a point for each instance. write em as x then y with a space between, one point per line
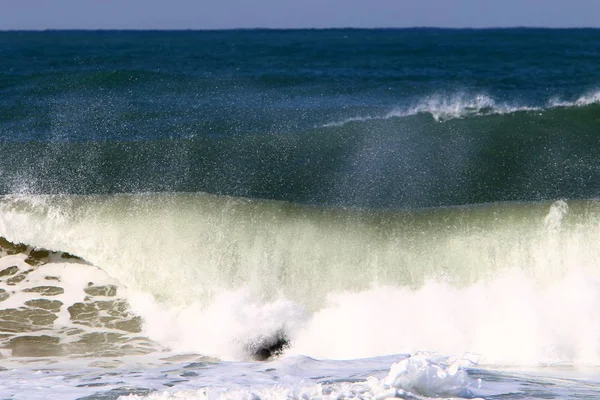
457 107
460 106
37 256
444 109
582 101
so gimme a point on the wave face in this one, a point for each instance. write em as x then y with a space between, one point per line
515 283
396 162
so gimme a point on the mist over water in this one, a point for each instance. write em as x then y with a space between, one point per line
394 162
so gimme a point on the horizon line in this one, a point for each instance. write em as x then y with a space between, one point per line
523 27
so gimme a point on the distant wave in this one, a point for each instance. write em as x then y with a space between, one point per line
582 101
443 108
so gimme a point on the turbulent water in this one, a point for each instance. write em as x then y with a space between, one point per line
300 214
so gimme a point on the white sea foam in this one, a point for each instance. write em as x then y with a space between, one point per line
592 97
444 108
230 327
516 284
421 376
511 320
462 105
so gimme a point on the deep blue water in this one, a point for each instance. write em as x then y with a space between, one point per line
362 118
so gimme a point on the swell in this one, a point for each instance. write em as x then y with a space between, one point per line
407 162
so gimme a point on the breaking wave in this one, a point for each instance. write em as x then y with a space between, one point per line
443 108
238 278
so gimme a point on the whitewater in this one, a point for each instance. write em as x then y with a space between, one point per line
303 214
461 105
221 280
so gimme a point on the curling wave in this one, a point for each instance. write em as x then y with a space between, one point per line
240 278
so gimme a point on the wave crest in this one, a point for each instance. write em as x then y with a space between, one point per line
582 101
461 105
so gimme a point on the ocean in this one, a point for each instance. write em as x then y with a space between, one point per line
300 214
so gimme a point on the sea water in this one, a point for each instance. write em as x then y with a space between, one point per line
300 214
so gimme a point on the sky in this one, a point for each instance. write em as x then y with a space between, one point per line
228 14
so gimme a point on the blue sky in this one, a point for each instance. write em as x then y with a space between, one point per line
224 14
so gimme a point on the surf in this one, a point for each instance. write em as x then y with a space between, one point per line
225 276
